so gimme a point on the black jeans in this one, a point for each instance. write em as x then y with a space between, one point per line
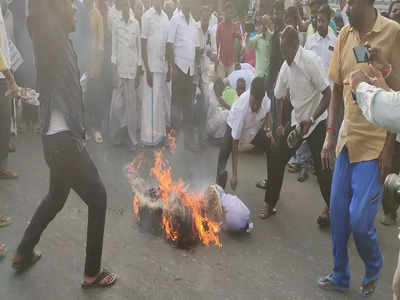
70 168
280 157
260 141
390 207
96 105
5 122
182 103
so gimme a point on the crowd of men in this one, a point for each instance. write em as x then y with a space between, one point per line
149 69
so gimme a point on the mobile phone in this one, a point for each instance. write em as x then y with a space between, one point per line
362 54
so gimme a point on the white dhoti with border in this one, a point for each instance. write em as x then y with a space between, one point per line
154 110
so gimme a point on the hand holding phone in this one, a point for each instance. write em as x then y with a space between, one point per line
362 54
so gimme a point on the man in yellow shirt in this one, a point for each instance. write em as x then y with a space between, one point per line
364 151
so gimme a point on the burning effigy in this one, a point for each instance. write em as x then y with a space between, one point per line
169 208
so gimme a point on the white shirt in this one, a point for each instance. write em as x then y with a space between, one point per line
57 123
306 80
155 31
185 38
213 20
4 43
246 74
236 213
246 66
112 16
206 44
245 123
213 33
344 15
323 47
126 53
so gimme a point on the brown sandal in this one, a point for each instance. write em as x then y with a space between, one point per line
97 283
25 263
3 250
265 215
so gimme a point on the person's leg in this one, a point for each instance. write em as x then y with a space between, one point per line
367 196
277 161
5 129
188 112
176 100
88 185
340 222
324 177
396 282
225 151
58 158
130 97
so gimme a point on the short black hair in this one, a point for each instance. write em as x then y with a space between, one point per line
228 5
278 5
258 88
315 2
290 36
291 12
325 10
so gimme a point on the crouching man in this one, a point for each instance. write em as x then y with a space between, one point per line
244 125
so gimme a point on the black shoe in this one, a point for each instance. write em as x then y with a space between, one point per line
324 221
262 184
222 179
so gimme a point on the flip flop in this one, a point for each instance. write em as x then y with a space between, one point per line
4 221
3 250
262 184
333 286
97 283
25 265
371 292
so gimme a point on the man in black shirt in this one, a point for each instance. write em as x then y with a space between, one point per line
63 130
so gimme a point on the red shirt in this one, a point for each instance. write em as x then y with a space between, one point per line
226 42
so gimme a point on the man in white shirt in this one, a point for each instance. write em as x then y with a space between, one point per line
245 125
182 48
154 41
323 41
246 74
302 74
126 60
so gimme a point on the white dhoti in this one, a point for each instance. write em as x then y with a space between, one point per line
124 111
154 110
216 121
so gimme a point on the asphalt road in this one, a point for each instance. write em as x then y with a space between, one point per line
280 260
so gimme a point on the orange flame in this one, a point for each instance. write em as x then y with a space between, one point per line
136 206
208 231
169 232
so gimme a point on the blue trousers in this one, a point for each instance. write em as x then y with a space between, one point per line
355 198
